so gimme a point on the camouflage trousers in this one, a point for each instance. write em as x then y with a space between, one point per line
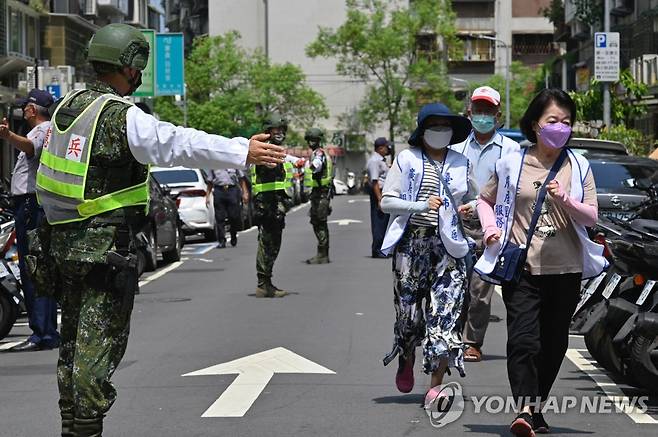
320 211
429 288
95 327
269 244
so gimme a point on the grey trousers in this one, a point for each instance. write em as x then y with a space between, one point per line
480 293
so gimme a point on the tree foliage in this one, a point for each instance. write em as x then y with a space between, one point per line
622 109
377 44
229 90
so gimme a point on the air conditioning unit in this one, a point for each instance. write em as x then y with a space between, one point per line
621 8
580 30
90 7
67 74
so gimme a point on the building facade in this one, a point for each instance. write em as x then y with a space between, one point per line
496 32
637 23
53 33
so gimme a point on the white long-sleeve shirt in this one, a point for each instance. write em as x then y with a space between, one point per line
157 142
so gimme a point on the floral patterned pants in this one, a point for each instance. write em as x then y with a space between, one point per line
429 287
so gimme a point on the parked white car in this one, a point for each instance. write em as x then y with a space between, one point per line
194 200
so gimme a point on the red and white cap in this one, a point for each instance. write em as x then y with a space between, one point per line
486 93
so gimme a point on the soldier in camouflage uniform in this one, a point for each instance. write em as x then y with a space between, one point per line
271 190
318 176
93 186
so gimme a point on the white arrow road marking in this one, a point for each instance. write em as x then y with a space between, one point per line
345 222
254 373
302 206
359 200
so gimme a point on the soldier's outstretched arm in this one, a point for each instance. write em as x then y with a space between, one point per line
157 142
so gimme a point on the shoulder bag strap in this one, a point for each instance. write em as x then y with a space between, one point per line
542 194
442 181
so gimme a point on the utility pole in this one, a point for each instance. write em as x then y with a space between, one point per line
267 30
606 85
508 67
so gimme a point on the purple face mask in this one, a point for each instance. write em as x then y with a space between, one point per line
555 135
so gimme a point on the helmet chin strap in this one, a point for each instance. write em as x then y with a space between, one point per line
134 83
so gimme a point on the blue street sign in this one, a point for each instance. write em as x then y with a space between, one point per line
170 61
601 40
55 91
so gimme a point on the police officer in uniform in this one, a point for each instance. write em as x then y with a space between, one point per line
318 176
271 189
93 185
229 189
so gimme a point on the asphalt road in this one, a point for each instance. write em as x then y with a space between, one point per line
202 312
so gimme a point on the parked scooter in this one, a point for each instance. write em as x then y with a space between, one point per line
12 302
618 312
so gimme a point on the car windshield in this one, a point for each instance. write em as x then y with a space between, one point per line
597 151
613 177
176 177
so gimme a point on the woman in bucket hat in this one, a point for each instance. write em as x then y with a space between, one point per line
428 244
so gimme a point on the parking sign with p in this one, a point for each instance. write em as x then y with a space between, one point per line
601 40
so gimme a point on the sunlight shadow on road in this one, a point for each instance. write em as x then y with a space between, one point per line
401 399
503 430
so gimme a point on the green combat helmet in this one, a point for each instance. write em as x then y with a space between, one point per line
274 119
314 134
120 45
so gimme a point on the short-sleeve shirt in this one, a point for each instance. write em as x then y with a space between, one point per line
555 247
24 177
377 169
225 176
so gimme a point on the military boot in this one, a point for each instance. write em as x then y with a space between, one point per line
321 258
67 425
266 289
88 427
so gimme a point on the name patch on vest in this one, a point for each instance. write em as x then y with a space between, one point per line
76 148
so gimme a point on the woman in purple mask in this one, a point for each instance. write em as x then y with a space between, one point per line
552 188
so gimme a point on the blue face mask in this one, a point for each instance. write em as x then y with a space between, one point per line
483 123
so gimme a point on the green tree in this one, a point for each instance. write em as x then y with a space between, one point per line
379 44
229 89
523 87
623 110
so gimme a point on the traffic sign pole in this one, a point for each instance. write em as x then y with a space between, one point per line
606 85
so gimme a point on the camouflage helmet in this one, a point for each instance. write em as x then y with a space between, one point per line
120 45
274 119
314 134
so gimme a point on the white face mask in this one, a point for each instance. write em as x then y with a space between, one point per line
438 138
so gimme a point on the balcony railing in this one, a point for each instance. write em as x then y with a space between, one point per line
475 24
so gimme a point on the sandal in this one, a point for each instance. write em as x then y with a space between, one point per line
473 354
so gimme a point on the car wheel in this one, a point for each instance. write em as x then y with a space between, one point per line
173 255
8 314
151 251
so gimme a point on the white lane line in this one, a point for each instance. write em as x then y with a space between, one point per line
59 320
612 391
198 248
248 230
359 200
302 206
161 273
10 344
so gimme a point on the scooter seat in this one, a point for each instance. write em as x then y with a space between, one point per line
645 225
